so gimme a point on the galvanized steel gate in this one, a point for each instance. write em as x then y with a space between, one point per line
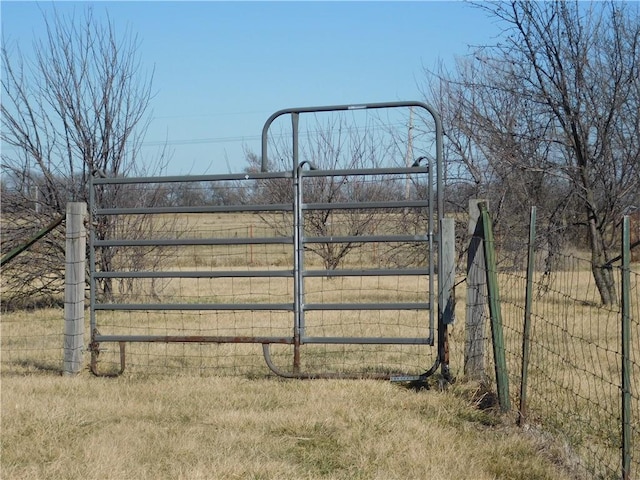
108 240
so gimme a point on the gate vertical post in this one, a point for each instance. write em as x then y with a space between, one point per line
297 245
74 286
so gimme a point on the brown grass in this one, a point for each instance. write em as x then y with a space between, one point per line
191 421
189 427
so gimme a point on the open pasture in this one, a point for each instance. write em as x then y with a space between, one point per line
216 411
175 420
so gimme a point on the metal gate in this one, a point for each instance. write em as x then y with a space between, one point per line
281 263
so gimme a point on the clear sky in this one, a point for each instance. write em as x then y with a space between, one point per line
221 68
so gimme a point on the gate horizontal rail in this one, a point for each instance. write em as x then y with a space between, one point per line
374 272
286 307
192 339
195 241
197 274
257 339
315 172
367 306
100 179
211 209
363 205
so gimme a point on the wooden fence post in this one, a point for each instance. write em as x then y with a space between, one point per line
74 286
474 362
447 298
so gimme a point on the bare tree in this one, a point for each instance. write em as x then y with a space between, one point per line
330 146
77 106
550 115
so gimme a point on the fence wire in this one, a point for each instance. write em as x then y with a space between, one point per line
31 340
575 363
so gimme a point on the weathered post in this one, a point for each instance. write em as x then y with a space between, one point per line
446 281
74 286
474 366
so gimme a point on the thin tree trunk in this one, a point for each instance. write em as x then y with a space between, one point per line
602 273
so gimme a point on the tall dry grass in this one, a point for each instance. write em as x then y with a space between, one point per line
177 414
188 422
189 427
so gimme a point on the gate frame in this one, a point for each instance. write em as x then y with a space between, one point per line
297 174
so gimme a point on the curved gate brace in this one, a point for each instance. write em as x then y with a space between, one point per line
319 376
93 366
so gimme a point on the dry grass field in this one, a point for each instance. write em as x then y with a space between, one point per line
215 411
190 423
189 427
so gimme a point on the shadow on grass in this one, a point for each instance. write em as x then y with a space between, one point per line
18 368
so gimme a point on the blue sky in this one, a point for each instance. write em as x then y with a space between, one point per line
221 68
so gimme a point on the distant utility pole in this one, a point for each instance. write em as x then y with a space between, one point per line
35 196
409 155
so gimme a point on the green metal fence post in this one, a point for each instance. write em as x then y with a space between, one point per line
502 378
626 350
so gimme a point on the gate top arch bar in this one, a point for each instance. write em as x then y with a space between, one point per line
363 106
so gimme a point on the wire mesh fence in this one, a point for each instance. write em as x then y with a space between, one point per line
31 340
574 383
